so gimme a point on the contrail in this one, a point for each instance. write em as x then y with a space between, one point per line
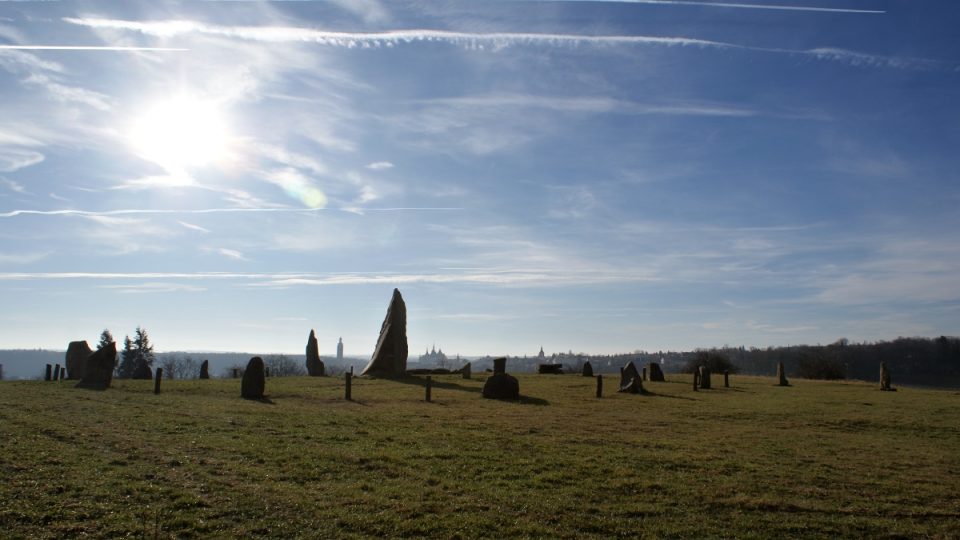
146 211
737 5
88 48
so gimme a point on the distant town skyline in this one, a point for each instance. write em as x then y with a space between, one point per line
600 177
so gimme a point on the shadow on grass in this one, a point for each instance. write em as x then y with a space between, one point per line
266 400
656 395
420 381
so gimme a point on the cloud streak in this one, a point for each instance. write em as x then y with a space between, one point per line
88 48
471 40
153 211
740 5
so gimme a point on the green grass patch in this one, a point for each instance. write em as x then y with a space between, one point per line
818 459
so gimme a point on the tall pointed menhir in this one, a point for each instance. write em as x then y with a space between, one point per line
390 357
315 367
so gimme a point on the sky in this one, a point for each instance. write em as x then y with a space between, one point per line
589 176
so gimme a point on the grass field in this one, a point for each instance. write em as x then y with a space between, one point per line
818 459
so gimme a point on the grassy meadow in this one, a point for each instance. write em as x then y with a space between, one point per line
818 459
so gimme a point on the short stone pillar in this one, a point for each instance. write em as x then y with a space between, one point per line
236 373
348 379
465 371
499 365
781 375
705 378
427 388
1 372
726 378
48 374
156 380
696 380
599 386
885 378
56 372
644 373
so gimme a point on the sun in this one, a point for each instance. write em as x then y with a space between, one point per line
181 133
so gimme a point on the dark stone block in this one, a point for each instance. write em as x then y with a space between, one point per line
76 359
654 373
501 386
98 369
254 379
315 367
587 370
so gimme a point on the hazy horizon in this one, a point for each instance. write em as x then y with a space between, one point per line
589 176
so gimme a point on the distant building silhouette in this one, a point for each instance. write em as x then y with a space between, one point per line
434 356
541 355
340 349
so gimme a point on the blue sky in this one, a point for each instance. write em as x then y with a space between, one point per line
594 176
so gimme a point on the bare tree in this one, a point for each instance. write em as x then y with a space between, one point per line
282 366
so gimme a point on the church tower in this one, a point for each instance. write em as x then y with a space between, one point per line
340 350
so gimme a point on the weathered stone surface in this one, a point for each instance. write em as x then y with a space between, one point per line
465 371
501 386
627 374
315 367
254 379
654 373
587 370
142 371
781 375
205 369
98 369
726 378
634 386
885 378
390 356
550 369
500 365
705 377
76 358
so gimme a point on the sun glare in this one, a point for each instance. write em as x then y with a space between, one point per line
181 133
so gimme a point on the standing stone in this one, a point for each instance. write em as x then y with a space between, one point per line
56 372
501 386
48 374
98 369
644 373
465 370
76 359
587 369
705 378
885 378
600 386
1 372
205 369
635 386
315 367
390 356
499 365
236 373
157 379
254 379
627 374
655 373
726 378
427 388
781 375
347 392
696 380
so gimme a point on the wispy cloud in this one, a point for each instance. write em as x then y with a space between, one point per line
380 165
21 258
148 288
740 5
13 186
13 159
232 254
88 48
592 105
472 40
149 211
193 227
